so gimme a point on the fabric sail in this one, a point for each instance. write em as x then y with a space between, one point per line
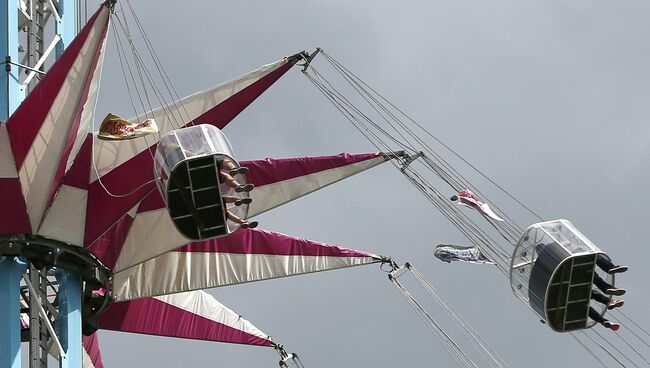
278 181
245 256
193 315
48 129
92 358
120 163
150 232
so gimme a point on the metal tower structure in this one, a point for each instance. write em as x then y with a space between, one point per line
40 295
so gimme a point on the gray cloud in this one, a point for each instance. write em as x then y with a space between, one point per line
548 98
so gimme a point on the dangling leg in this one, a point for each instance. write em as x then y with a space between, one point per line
600 298
237 201
239 170
609 267
232 169
226 178
229 199
600 319
607 288
244 224
234 218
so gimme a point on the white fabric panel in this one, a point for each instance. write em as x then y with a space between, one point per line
176 272
151 234
66 219
39 167
89 106
87 362
110 154
269 196
7 163
206 306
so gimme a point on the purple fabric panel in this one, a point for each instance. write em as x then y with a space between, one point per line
154 317
25 123
103 210
154 201
13 211
273 170
107 247
74 127
228 109
258 241
79 173
91 345
134 176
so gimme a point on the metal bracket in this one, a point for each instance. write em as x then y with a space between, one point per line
408 159
40 61
308 58
396 154
8 63
392 275
44 317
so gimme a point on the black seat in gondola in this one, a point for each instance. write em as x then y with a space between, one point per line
552 270
187 164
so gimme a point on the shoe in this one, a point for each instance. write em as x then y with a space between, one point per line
612 325
244 188
617 269
616 292
245 200
249 225
239 170
615 304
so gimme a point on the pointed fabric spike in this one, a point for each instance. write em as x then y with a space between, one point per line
194 315
92 358
49 127
245 256
13 212
108 246
125 166
66 218
277 181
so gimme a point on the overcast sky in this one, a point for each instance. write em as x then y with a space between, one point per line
549 98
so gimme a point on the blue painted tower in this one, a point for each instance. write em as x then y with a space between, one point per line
26 50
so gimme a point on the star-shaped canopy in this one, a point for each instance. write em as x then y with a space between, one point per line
63 184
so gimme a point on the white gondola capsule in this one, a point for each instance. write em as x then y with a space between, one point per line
187 165
552 270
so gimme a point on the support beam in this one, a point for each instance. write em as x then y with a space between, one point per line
67 26
11 270
9 75
68 324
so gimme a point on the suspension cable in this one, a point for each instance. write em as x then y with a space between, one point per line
454 350
588 349
472 335
603 349
348 110
411 141
633 349
437 139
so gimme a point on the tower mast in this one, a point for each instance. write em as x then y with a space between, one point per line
31 31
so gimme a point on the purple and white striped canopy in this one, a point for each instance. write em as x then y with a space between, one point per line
62 183
245 256
192 315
